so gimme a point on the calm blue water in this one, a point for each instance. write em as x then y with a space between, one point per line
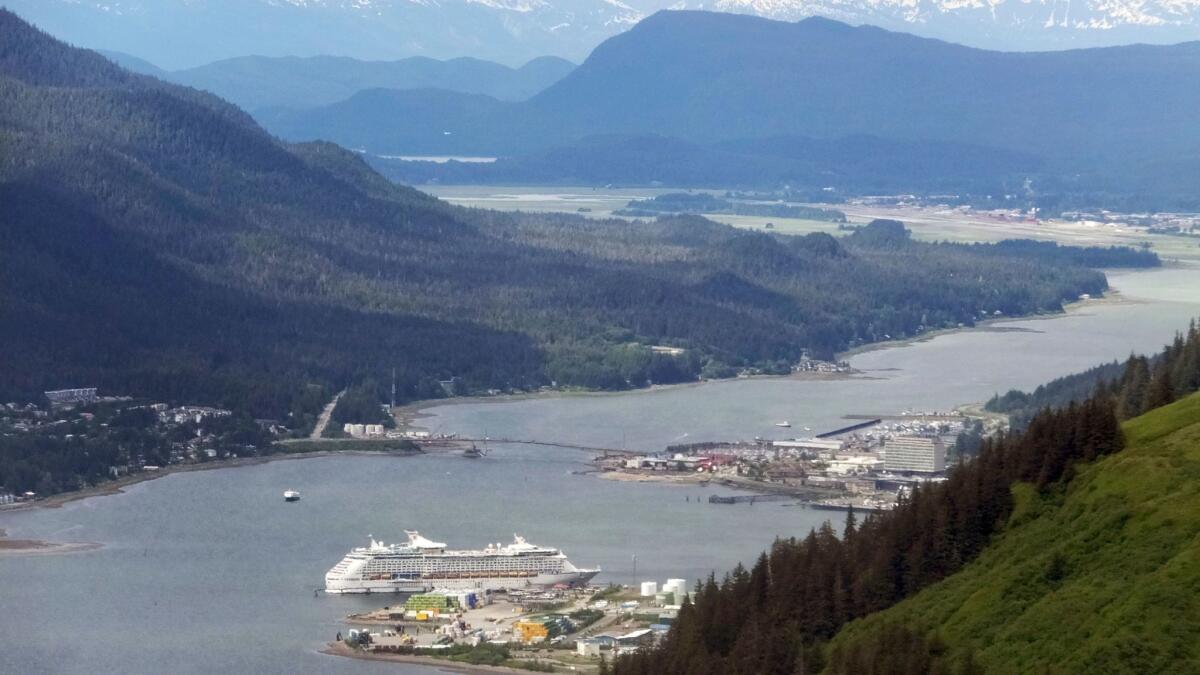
212 572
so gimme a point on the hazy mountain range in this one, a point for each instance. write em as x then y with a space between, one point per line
256 82
1090 115
157 241
176 34
185 33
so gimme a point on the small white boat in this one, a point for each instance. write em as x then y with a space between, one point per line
785 424
291 496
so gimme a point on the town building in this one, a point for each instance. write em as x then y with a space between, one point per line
816 447
918 454
588 647
854 464
71 396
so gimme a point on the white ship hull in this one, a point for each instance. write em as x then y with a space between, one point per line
421 565
343 586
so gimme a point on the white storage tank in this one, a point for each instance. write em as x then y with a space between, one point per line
649 588
676 586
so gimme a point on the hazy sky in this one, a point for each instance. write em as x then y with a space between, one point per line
183 33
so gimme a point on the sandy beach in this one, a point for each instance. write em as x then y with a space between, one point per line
10 547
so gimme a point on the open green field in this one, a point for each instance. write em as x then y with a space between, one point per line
927 223
1103 577
598 202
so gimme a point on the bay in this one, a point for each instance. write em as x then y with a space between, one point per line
211 571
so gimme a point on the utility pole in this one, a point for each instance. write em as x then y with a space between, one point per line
393 388
635 582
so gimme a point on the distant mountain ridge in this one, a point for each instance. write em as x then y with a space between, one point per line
260 82
175 34
1000 24
707 75
154 240
184 33
704 76
1101 119
257 82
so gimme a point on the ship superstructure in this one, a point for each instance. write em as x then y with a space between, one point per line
420 564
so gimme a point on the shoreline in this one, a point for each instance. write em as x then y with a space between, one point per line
409 414
1111 297
37 547
118 485
801 494
24 547
33 547
340 649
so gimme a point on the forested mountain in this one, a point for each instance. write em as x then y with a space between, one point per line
1135 382
1092 121
1069 547
1097 576
256 82
704 76
410 122
132 63
157 242
1021 406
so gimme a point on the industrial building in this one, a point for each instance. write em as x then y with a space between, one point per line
71 396
817 447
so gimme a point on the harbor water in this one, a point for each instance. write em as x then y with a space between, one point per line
212 571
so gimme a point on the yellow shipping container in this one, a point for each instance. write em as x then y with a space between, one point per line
529 630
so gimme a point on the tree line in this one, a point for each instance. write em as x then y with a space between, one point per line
1137 384
778 615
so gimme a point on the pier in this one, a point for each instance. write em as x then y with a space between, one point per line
853 427
605 452
750 499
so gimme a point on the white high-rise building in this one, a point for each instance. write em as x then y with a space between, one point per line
922 454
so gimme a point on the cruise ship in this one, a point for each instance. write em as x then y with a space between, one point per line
420 564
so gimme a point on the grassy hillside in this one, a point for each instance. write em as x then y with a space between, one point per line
1101 578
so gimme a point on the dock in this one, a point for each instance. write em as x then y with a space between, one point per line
750 499
605 452
853 427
